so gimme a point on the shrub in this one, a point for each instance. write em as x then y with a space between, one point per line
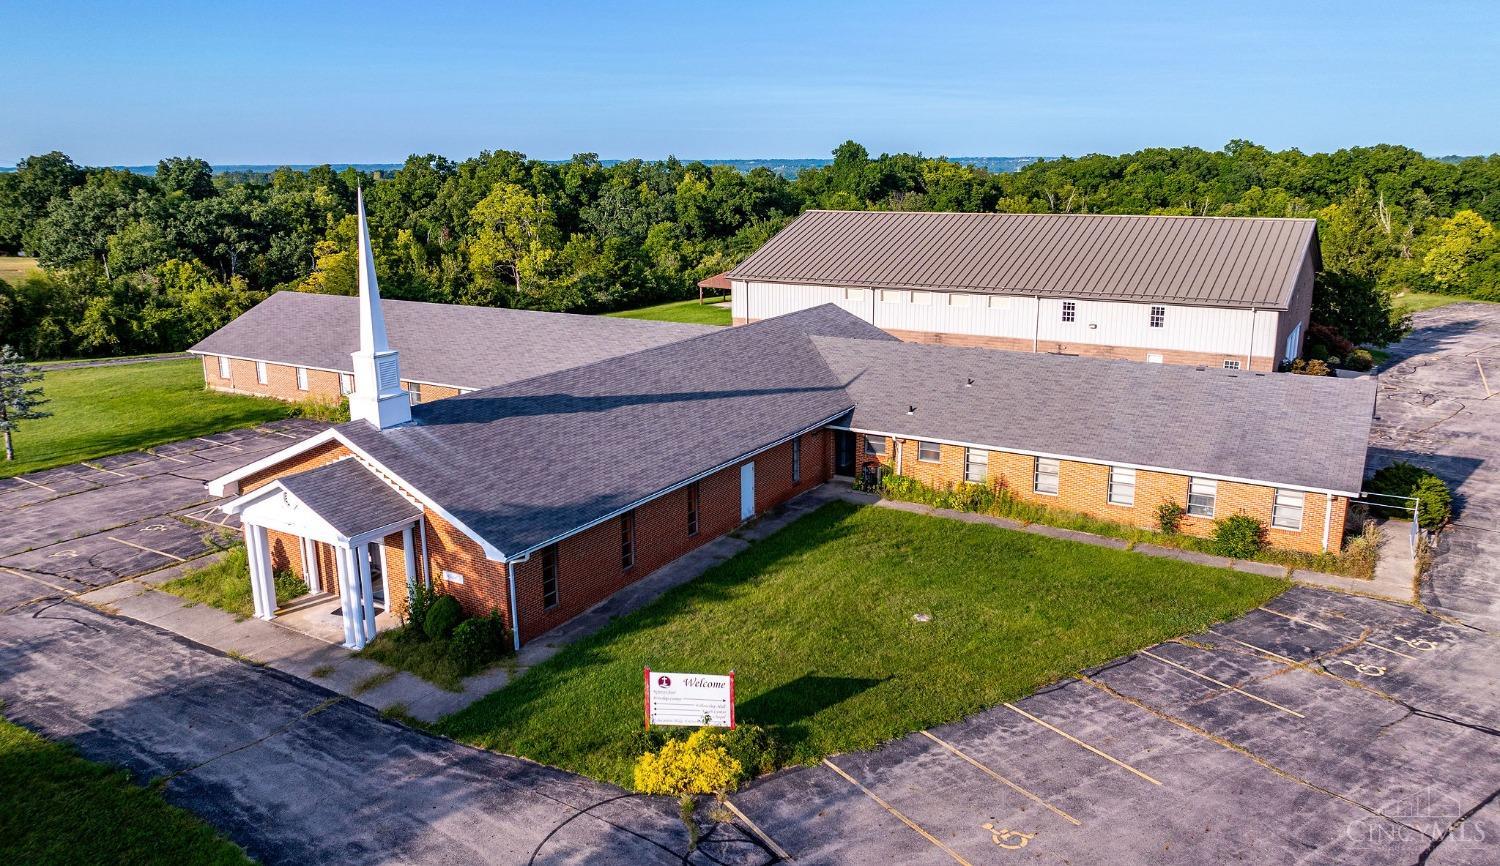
753 747
1313 367
1359 360
1239 537
1331 341
1169 517
413 611
698 765
477 642
441 617
288 586
1406 479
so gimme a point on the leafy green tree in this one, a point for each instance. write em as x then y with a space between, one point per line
20 395
515 239
1456 246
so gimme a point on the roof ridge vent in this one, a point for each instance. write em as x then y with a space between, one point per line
911 410
969 383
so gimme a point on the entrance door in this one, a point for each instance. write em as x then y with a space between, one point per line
747 491
376 552
843 453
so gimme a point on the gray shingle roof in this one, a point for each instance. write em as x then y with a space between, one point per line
443 344
351 498
1278 428
1206 261
523 463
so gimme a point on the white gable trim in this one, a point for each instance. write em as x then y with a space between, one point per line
228 484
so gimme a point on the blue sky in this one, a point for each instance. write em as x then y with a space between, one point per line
269 82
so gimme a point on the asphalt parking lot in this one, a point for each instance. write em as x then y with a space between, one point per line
1324 728
85 525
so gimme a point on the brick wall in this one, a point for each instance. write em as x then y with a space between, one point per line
318 455
1083 487
281 381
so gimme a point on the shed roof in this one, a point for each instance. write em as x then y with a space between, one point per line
1206 261
441 344
350 497
1275 428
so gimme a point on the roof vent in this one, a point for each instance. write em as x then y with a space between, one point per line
1200 369
911 410
969 384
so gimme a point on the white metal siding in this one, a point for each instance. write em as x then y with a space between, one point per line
1114 323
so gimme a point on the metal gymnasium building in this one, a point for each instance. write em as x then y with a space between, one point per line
541 496
1226 292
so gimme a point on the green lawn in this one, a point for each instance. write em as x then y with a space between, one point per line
225 584
817 621
57 808
13 269
97 411
690 312
1415 302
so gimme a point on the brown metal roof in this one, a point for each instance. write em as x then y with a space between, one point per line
1204 261
719 282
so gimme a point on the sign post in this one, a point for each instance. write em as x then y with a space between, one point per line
689 700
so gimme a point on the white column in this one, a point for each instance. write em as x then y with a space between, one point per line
262 582
409 547
348 580
366 594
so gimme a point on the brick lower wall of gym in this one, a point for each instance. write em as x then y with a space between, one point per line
281 382
1124 353
1083 487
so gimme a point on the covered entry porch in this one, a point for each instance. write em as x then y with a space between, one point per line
339 524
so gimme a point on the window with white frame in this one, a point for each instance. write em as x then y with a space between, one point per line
797 461
414 392
301 378
1070 311
223 367
998 302
1121 486
976 466
958 300
346 383
549 577
892 296
1286 511
854 294
923 298
1201 495
1231 364
875 445
260 372
929 452
1158 317
1044 476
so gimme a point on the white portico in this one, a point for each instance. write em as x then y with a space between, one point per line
350 510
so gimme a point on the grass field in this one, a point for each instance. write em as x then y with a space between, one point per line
817 622
690 312
15 268
98 411
61 809
1415 302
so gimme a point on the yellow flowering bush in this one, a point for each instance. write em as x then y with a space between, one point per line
698 765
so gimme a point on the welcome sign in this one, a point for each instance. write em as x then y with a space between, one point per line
689 700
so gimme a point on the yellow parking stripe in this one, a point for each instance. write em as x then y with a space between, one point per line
1067 736
999 778
1181 667
894 811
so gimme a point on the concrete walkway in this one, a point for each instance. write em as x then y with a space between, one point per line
1393 581
280 646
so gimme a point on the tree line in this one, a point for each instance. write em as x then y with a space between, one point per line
137 263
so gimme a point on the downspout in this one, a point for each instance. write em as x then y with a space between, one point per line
426 566
1327 519
898 454
515 624
1250 350
1036 322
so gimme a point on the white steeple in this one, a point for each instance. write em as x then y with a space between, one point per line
378 398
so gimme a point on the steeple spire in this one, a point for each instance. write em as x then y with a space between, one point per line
378 398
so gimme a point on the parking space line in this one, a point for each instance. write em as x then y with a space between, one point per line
1337 634
45 583
110 471
1069 737
145 548
26 480
1278 656
760 834
1232 688
999 778
897 812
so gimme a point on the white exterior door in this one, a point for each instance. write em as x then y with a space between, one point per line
747 491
